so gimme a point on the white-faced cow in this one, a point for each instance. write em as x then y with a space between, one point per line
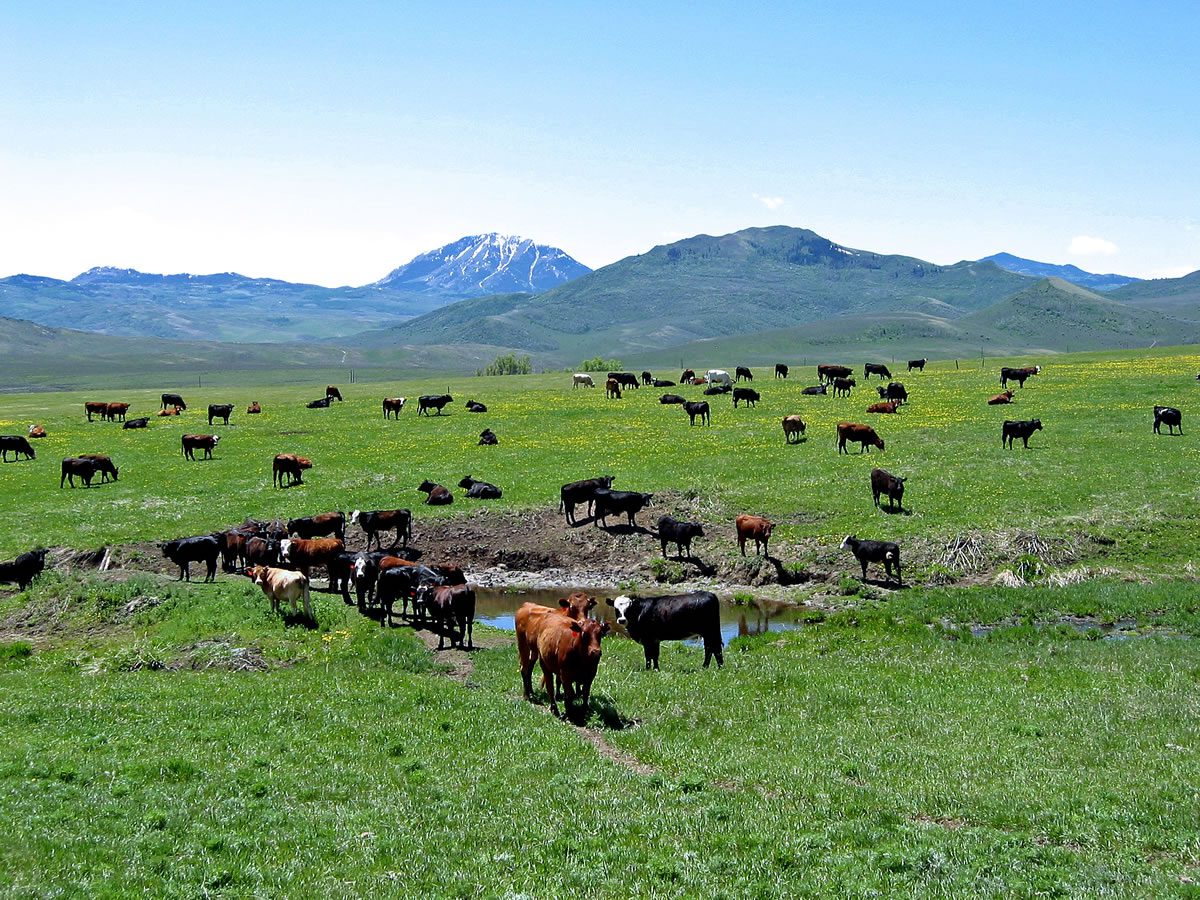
675 617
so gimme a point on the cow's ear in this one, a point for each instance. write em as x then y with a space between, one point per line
609 601
576 627
564 602
591 602
604 629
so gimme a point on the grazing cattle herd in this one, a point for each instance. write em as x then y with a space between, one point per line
279 557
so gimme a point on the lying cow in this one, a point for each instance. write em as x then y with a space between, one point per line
220 411
883 483
475 407
1169 416
576 493
698 408
185 551
432 401
480 490
171 411
1001 399
24 569
887 407
254 409
393 406
793 428
749 396
671 398
437 495
319 403
673 531
142 422
715 390
376 521
487 438
37 431
864 435
754 528
662 382
629 503
816 389
1021 429
282 584
875 551
582 378
193 442
16 444
675 617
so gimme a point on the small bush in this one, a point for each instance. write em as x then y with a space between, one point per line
600 364
15 650
509 364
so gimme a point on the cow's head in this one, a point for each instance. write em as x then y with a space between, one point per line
1037 424
426 486
466 482
621 605
696 529
879 442
354 516
257 574
577 605
358 570
285 550
849 542
589 633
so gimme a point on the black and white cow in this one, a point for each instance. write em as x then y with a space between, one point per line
866 552
674 617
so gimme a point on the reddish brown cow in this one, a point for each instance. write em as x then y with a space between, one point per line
612 390
756 528
172 411
37 431
193 442
115 412
95 408
858 434
253 409
888 406
532 618
569 651
291 465
1000 399
828 372
302 554
392 406
793 427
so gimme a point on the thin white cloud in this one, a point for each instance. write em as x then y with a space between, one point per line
770 202
1086 245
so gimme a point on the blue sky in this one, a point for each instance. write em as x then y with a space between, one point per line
329 145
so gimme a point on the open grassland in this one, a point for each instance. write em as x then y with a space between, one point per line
178 740
1096 484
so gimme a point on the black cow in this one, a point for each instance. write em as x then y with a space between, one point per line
747 395
875 551
474 407
219 411
480 490
579 492
628 379
671 398
16 444
674 617
185 551
879 369
715 390
364 574
332 393
173 400
662 382
697 408
841 386
743 372
918 364
1008 374
487 438
321 403
402 583
815 390
137 423
432 401
609 502
375 521
437 495
22 570
1169 416
672 531
74 466
884 482
894 391
781 370
1022 429
647 379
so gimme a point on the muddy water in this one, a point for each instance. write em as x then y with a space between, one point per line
498 606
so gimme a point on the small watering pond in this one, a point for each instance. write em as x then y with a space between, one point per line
498 606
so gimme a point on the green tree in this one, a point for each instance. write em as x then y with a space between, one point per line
510 364
600 364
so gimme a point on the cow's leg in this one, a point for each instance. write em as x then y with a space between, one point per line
863 563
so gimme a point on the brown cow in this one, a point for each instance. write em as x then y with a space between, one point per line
115 412
392 406
232 545
569 651
437 494
828 373
888 406
858 434
999 399
281 584
612 390
531 619
193 442
291 465
253 409
172 411
793 427
95 408
451 607
37 431
302 554
755 527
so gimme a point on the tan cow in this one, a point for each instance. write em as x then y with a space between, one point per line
282 584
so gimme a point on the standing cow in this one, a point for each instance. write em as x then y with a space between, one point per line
675 617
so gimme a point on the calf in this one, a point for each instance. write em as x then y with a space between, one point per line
292 466
74 466
674 617
332 524
1000 399
332 393
24 569
376 521
104 465
364 574
612 389
487 438
474 407
16 444
578 492
569 653
781 371
671 398
392 406
743 372
697 408
662 382
886 407
876 369
37 431
451 607
193 442
609 501
173 411
793 428
531 618
875 551
437 495
220 411
480 490
174 400
582 378
672 531
185 551
280 584
253 409
815 390
918 364
1021 429
302 553
884 482
842 386
754 528
432 401
137 423
749 396
1169 416
858 434
1008 374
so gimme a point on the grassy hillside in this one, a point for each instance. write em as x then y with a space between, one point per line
1179 297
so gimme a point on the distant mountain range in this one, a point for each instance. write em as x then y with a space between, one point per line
1073 274
232 307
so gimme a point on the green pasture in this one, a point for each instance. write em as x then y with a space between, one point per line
881 751
1096 480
